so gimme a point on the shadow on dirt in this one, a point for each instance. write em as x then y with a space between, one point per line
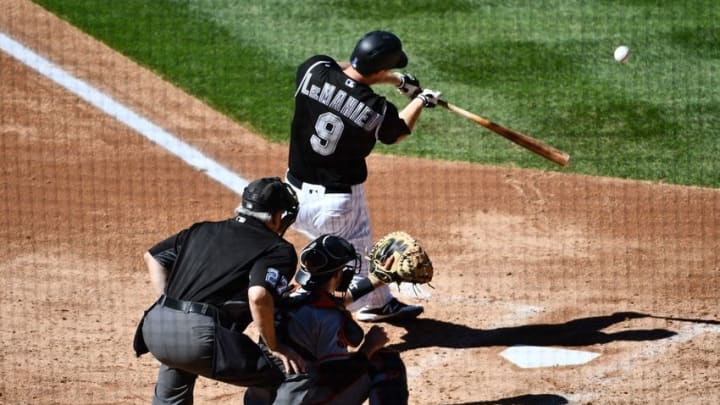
530 399
425 332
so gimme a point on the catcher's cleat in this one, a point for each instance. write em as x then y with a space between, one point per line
392 311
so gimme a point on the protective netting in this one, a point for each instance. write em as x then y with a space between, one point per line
105 152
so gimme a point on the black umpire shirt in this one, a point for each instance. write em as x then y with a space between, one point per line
336 124
216 262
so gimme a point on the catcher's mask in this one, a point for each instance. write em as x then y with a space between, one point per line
270 195
322 258
376 51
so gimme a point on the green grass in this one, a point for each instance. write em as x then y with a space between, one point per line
542 68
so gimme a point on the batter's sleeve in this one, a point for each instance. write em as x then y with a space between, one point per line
392 127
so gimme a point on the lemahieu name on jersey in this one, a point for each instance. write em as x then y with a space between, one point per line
338 100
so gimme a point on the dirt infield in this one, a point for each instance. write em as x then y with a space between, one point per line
628 270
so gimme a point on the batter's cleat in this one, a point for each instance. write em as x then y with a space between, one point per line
392 311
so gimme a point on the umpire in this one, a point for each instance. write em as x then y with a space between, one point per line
214 278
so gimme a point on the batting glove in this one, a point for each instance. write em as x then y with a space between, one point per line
429 97
409 85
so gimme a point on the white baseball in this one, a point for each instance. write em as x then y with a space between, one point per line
622 53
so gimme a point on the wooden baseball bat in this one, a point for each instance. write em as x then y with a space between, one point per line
527 142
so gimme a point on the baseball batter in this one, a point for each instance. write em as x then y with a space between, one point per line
337 121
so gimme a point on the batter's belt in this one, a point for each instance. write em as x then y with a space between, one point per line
329 188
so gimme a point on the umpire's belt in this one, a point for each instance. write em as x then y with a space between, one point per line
188 306
329 189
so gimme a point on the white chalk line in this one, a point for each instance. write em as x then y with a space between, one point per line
108 105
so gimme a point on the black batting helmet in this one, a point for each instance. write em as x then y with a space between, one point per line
378 50
322 258
270 195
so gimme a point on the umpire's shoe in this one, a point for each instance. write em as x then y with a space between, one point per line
394 310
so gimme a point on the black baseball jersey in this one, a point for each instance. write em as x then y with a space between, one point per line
216 262
336 124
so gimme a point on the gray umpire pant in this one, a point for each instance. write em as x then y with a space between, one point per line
183 343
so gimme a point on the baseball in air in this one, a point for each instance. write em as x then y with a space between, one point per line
622 53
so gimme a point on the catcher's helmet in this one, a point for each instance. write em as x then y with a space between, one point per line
378 50
322 258
270 195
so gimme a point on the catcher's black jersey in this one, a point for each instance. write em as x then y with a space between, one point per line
216 262
336 124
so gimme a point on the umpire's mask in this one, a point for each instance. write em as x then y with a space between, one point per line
322 258
270 195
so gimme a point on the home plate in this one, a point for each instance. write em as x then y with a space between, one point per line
537 356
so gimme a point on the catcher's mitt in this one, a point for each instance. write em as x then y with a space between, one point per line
410 263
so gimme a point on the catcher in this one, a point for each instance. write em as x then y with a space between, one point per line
315 323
